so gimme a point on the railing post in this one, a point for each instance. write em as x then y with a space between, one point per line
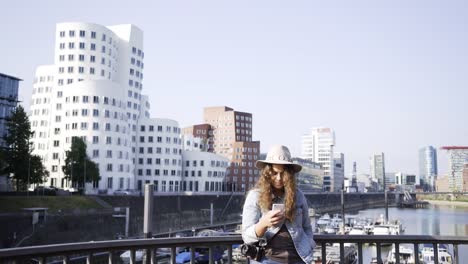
153 256
173 255
210 255
379 253
342 253
132 256
416 254
455 254
324 253
360 256
397 251
436 253
192 255
109 257
230 254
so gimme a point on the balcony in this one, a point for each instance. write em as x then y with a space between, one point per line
109 251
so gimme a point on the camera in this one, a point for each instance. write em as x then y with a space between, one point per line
251 251
254 251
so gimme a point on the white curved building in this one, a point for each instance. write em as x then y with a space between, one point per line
93 91
203 171
159 158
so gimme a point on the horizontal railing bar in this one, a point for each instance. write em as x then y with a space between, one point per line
129 244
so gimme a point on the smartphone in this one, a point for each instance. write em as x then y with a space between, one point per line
278 207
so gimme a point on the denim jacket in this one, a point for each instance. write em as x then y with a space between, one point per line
300 231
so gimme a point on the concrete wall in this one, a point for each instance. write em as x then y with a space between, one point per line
171 214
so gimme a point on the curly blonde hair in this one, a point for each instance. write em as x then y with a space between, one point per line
264 185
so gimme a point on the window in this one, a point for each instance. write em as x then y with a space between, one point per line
71 33
81 57
62 34
93 46
95 139
82 45
109 167
71 45
82 33
93 34
95 153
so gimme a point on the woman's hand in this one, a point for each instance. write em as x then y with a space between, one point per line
270 219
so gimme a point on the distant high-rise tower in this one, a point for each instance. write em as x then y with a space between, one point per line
354 176
377 163
231 136
338 171
317 145
428 167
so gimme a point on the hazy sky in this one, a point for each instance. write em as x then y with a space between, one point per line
387 76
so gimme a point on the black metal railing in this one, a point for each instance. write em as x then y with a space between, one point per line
106 251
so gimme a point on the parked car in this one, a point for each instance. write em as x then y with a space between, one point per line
46 190
123 192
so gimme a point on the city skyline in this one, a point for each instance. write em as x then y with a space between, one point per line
386 77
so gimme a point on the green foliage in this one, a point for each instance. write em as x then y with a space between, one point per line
78 166
17 160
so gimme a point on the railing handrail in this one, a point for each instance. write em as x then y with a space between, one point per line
126 244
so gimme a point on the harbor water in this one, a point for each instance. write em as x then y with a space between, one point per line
441 220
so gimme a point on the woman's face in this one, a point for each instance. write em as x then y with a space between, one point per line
277 177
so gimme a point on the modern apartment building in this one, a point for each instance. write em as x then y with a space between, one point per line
93 90
317 146
310 178
428 167
230 135
8 100
458 157
377 167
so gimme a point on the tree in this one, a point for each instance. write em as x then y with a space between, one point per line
78 167
17 157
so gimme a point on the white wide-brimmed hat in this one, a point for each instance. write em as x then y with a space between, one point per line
278 154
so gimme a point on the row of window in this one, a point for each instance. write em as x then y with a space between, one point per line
81 57
43 79
82 34
200 173
157 172
182 186
150 128
92 71
213 163
159 161
138 52
82 46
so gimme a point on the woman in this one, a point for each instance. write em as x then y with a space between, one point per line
288 232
